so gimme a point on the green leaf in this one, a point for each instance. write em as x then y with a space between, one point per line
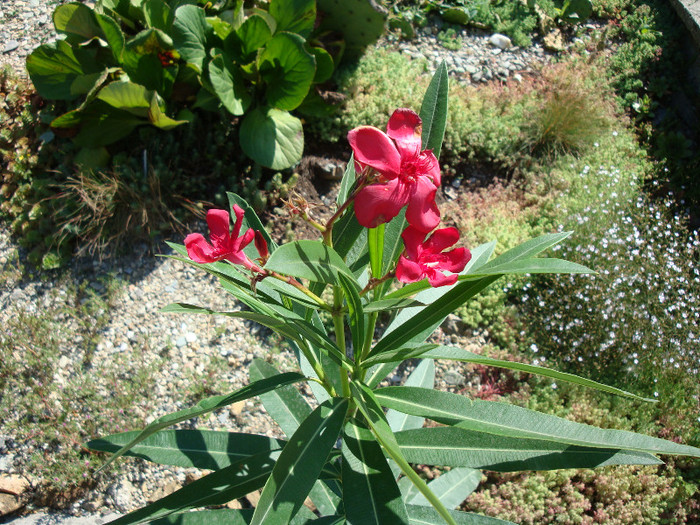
433 111
355 314
419 515
451 487
82 24
102 124
374 415
127 96
527 250
227 81
375 244
190 35
272 138
202 449
537 265
300 464
156 13
417 329
62 73
295 16
288 70
208 405
512 421
347 183
285 404
386 305
324 65
217 488
370 493
325 495
310 260
423 377
457 354
459 447
245 41
208 517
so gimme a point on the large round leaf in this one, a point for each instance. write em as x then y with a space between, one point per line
82 24
288 69
60 72
295 16
190 34
245 41
272 138
228 84
324 65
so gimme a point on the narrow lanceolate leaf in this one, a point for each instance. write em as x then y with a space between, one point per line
533 265
374 415
347 183
419 515
355 314
433 111
285 404
208 517
418 329
217 488
370 493
423 377
451 487
300 464
528 249
310 260
509 420
387 305
325 495
375 244
458 447
457 354
202 449
208 405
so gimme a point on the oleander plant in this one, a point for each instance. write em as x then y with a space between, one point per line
352 446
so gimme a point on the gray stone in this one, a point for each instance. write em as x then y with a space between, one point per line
10 46
500 41
454 378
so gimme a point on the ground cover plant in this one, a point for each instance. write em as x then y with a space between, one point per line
346 453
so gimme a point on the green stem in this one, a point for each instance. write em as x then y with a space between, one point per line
303 289
339 326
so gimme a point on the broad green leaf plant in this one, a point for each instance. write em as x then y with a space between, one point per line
130 63
352 447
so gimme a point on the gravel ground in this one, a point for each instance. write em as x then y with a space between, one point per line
190 343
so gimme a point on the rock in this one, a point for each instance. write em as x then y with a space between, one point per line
554 41
13 493
454 378
452 325
10 46
500 41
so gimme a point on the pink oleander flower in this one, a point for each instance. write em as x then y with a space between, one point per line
224 244
407 175
426 257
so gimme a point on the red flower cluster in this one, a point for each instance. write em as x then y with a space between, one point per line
225 245
402 174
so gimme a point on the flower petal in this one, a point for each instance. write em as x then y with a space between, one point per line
379 203
404 127
431 166
455 260
422 211
374 148
218 221
408 271
438 279
441 239
198 249
412 240
238 211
